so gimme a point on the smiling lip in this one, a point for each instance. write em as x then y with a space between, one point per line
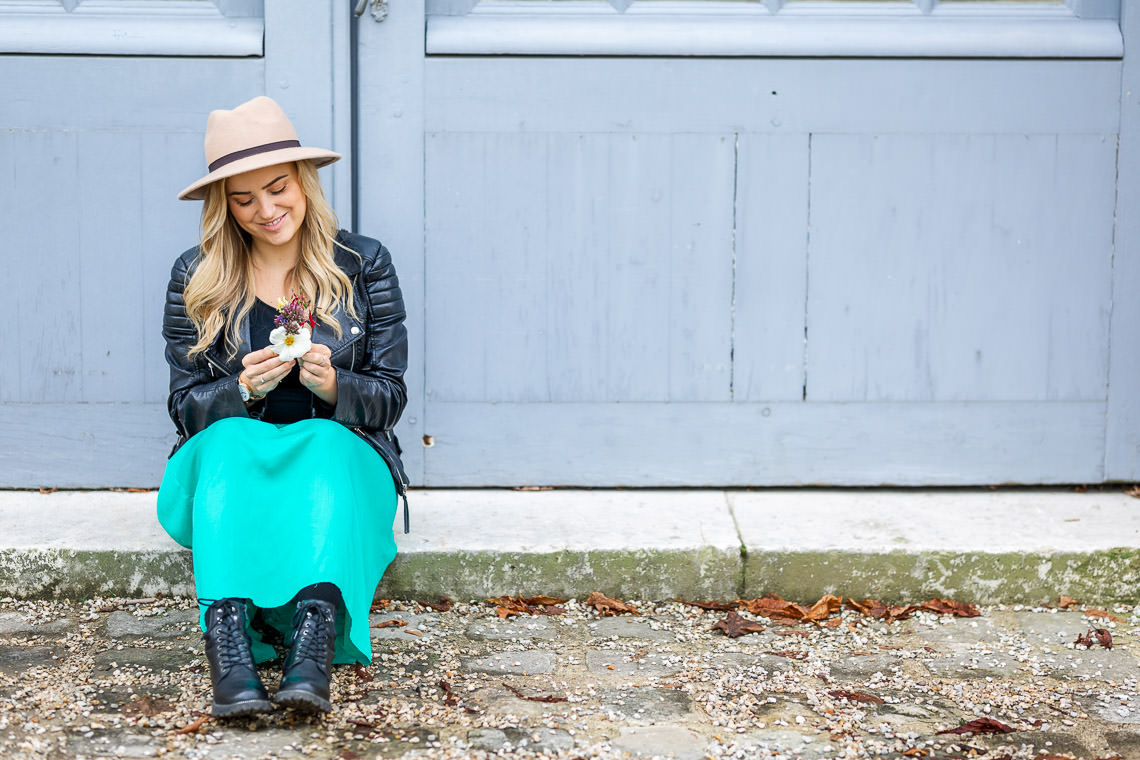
274 225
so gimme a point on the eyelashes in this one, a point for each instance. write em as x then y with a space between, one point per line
271 192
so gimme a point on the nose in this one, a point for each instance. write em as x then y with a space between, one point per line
265 207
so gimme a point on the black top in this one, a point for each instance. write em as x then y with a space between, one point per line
289 401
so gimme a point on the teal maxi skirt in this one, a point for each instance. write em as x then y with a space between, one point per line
269 509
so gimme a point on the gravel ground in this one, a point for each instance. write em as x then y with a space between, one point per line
127 678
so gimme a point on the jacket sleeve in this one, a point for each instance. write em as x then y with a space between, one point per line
197 397
374 394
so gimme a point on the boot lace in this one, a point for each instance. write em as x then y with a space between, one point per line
312 635
225 625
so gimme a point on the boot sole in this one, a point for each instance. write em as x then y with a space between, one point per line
248 707
303 700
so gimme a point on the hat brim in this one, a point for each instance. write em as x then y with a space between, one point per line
318 156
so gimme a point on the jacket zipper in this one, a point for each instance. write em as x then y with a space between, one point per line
401 485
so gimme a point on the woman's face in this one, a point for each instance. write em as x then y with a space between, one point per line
268 203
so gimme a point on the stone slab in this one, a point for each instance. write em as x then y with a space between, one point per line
894 544
985 546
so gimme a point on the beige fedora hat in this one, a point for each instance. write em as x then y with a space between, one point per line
254 135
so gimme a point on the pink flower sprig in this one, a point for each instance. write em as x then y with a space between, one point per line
294 314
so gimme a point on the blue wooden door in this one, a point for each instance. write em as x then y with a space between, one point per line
698 244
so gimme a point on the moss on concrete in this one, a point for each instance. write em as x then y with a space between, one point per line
1108 576
644 574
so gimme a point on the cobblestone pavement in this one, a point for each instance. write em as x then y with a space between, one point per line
127 678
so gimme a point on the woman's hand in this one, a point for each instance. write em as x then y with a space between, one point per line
318 374
263 371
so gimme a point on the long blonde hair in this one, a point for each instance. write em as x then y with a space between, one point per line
220 293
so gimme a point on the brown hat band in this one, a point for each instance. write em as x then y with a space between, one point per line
229 158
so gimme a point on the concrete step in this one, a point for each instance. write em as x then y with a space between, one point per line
986 546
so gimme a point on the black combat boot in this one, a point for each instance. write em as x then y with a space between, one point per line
305 680
237 688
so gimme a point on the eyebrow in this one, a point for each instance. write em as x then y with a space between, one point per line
264 187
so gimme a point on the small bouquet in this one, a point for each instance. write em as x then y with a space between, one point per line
293 335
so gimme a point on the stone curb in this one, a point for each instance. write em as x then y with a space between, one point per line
974 545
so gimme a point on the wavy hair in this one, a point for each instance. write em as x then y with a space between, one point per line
220 293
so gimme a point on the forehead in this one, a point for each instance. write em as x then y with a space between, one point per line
256 179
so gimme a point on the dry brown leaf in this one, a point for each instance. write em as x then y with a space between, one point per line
443 605
1105 614
545 698
880 611
361 673
980 726
735 626
949 607
1067 602
194 726
914 752
607 606
1095 636
542 601
855 696
822 609
394 623
1134 491
535 605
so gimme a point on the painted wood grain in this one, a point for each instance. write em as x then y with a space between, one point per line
1122 457
771 267
763 95
71 445
125 94
741 33
579 267
959 267
47 258
782 443
167 227
391 183
108 276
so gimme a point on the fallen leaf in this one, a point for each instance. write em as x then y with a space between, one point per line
414 633
833 623
914 752
542 601
449 696
855 696
1095 613
1095 636
194 726
1067 602
361 673
889 612
606 606
792 633
53 489
146 706
779 610
948 607
535 605
443 605
1134 491
714 606
380 605
735 626
390 623
980 726
545 698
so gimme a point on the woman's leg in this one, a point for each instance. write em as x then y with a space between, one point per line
305 680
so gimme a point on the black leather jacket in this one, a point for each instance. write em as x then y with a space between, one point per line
370 358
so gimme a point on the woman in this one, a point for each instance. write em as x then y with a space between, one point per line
285 477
